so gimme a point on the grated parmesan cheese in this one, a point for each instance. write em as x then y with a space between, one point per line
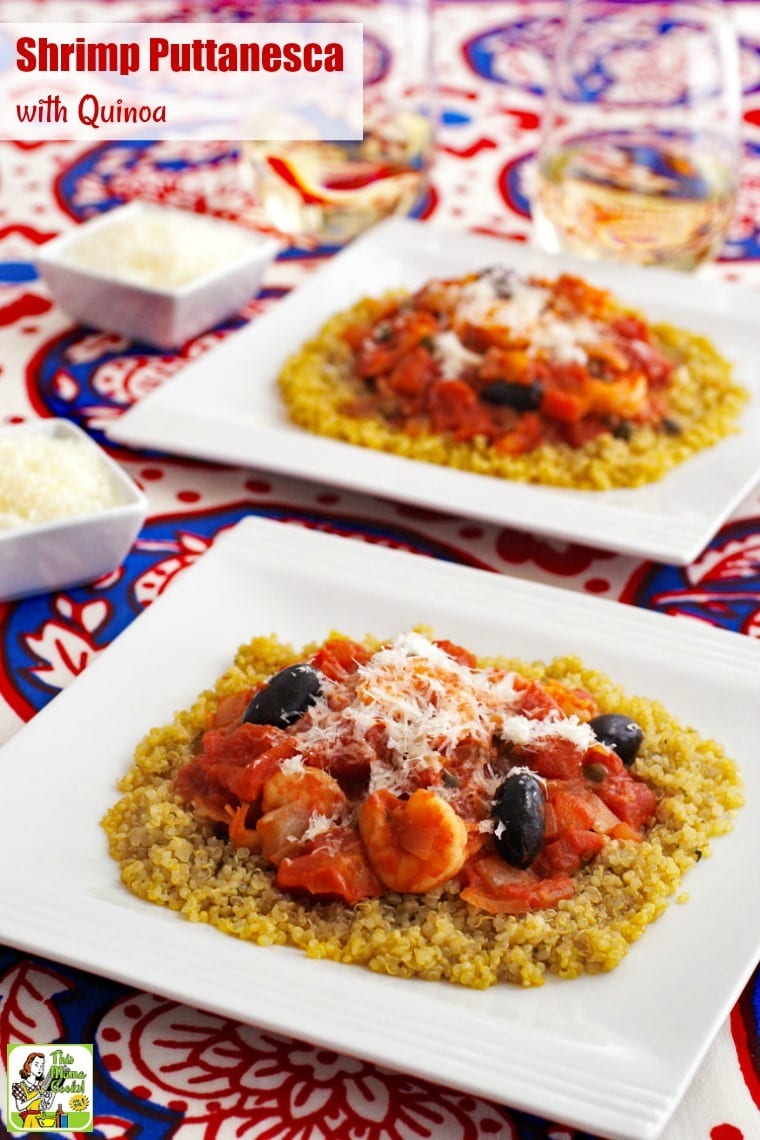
44 478
292 765
318 824
519 312
161 248
428 704
452 355
523 310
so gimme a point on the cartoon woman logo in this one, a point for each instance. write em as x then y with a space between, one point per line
33 1095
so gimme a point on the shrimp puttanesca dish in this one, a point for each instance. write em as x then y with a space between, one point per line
360 773
527 378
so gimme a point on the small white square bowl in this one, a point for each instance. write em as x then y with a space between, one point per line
165 317
42 557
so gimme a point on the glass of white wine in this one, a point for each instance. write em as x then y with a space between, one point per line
322 192
640 152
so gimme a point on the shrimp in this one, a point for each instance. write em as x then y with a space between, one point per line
293 803
412 845
311 787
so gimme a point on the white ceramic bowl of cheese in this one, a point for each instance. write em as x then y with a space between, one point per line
155 273
39 554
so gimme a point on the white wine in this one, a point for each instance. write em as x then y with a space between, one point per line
332 191
633 200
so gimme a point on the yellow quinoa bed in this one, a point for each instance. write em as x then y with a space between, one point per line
170 857
317 381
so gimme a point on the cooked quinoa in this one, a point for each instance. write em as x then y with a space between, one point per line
705 402
171 856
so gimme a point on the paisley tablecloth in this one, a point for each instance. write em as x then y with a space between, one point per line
164 1070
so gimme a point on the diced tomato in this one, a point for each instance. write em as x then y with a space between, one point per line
240 746
229 712
632 800
225 758
571 811
580 296
584 430
335 867
451 404
631 328
460 655
554 758
339 656
527 432
402 333
573 702
246 782
411 375
492 885
195 785
565 406
566 855
536 702
575 804
653 363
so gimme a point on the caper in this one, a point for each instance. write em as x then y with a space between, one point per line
285 697
619 733
623 430
596 773
519 809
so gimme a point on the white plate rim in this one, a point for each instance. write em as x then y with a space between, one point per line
203 411
449 1035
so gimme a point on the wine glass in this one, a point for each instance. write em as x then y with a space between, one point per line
327 192
639 159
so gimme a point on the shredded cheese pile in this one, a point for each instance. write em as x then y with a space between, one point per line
43 478
427 705
163 249
524 311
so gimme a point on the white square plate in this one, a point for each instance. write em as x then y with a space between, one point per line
611 1053
226 407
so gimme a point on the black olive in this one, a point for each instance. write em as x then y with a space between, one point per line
285 697
501 280
520 397
670 426
519 809
619 733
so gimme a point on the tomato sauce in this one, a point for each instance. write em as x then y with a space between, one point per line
514 361
389 780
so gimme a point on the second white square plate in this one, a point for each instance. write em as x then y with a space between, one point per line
610 1053
226 407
